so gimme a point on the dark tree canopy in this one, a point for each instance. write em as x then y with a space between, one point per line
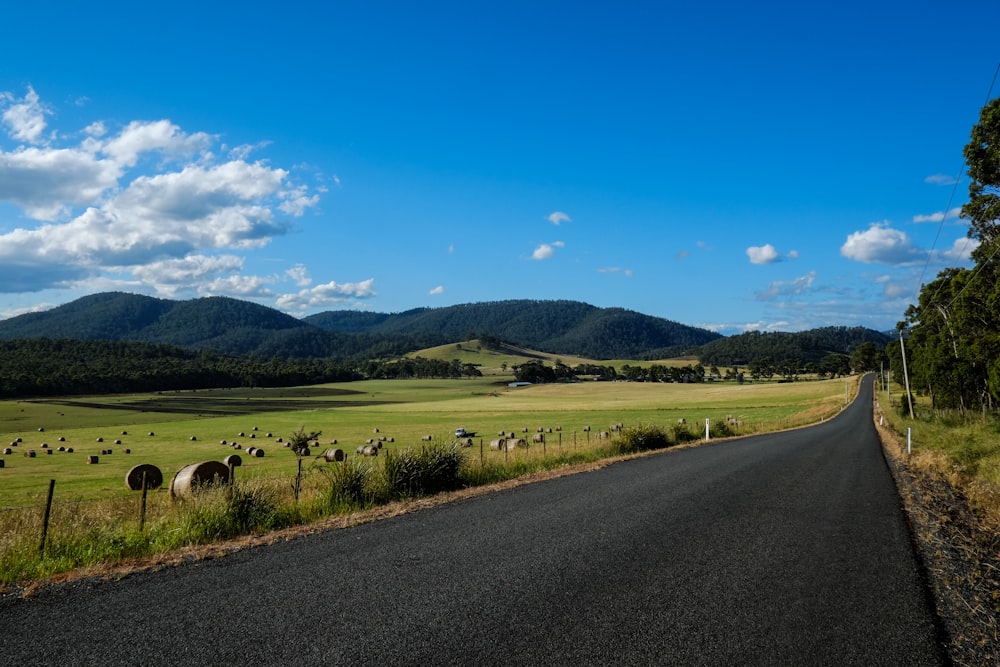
982 155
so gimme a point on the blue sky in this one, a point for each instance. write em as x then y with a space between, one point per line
775 166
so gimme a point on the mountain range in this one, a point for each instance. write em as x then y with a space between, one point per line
235 327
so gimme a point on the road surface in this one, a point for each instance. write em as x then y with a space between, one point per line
785 549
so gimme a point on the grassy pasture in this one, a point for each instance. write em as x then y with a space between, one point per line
405 410
495 361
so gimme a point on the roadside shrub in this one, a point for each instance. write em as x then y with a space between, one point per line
682 434
426 471
350 483
720 428
641 438
237 509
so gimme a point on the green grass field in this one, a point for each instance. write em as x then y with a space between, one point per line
403 410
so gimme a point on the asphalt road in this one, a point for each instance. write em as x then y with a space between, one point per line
787 549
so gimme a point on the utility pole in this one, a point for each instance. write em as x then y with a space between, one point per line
906 376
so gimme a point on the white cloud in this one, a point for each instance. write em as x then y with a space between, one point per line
557 217
328 294
939 216
25 118
100 211
300 274
960 251
614 269
940 179
785 288
437 290
881 244
765 254
546 250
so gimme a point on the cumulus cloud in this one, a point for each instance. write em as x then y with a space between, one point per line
328 294
437 290
960 251
148 205
881 244
557 217
546 250
25 117
765 254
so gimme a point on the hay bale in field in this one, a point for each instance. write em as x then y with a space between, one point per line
8 451
192 438
369 451
62 449
497 443
251 450
331 455
375 430
538 438
62 439
427 438
100 439
269 435
465 442
539 429
279 439
253 435
30 454
558 428
124 432
233 461
586 429
133 478
128 451
242 434
258 453
195 476
391 439
503 434
1 463
92 459
48 451
682 421
333 442
150 433
255 428
223 442
69 450
603 435
118 442
41 429
370 441
45 445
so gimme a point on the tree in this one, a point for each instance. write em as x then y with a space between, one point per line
982 155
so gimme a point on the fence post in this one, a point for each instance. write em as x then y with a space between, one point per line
48 513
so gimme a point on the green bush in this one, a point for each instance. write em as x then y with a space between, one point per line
237 509
641 438
426 471
350 485
720 428
683 434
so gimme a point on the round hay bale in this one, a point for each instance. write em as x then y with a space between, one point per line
427 438
375 430
465 442
1 463
45 445
332 455
237 445
151 433
133 478
360 449
124 432
118 442
255 428
111 451
62 439
48 451
69 450
538 438
242 434
251 450
279 439
30 453
391 439
8 450
100 439
223 442
372 440
258 452
92 459
253 435
586 428
128 451
233 461
370 451
41 429
517 442
62 449
333 442
19 440
497 443
269 435
192 438
195 476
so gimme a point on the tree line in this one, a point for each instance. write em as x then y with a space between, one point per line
952 334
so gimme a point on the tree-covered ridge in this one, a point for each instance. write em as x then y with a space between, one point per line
235 327
560 327
806 346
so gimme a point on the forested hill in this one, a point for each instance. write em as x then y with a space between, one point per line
804 346
560 327
235 327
